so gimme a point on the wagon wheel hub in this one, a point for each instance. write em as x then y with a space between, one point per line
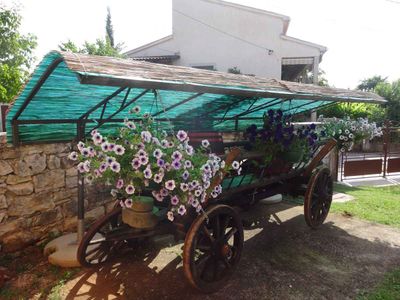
226 251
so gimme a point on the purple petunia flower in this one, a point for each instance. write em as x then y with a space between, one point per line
174 200
115 167
214 194
164 143
170 185
195 203
160 163
157 153
120 184
158 178
104 146
147 173
130 189
205 143
235 165
81 145
135 163
184 187
199 208
119 150
143 160
73 156
140 146
189 150
164 192
176 155
97 173
182 210
136 109
188 164
146 136
181 135
176 164
197 193
128 203
141 152
93 132
85 152
81 167
111 147
185 175
103 167
167 166
110 160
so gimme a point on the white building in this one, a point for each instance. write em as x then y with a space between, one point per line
219 35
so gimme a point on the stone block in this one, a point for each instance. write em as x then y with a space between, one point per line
71 182
21 189
3 202
14 179
3 217
9 153
56 148
47 217
50 180
30 165
5 168
71 172
28 205
70 224
53 162
19 240
70 208
12 226
66 163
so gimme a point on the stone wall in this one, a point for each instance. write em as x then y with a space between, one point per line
38 194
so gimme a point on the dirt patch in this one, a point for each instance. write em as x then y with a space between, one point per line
282 259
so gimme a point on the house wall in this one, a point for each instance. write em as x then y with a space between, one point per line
38 194
254 32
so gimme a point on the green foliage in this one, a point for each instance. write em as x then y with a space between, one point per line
369 84
375 204
16 55
234 70
102 47
109 28
391 92
373 112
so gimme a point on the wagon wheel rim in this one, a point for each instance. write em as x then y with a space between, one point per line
318 197
214 249
96 247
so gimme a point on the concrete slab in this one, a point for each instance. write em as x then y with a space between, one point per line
373 181
341 197
62 251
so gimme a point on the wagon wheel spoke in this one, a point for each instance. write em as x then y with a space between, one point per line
208 234
230 234
91 251
97 255
216 225
97 241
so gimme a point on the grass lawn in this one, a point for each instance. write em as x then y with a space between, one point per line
389 289
376 204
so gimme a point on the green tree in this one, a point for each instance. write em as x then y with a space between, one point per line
369 84
391 92
102 47
109 28
16 54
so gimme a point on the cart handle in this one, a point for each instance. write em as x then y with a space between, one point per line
329 145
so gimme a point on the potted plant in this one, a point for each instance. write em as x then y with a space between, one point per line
141 158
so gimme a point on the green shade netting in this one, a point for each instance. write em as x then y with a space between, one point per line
62 96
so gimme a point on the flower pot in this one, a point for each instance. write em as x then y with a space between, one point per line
141 214
294 155
278 166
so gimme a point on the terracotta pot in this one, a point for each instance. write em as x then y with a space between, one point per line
141 214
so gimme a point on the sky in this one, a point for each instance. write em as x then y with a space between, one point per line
362 36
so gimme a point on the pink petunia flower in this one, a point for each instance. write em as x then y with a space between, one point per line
182 210
181 135
120 184
73 156
115 167
130 189
174 200
128 203
170 185
119 150
170 216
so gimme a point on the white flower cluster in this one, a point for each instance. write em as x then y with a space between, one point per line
347 132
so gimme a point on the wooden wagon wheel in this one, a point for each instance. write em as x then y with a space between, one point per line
318 197
212 249
96 248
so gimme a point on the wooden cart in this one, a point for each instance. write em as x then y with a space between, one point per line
213 240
